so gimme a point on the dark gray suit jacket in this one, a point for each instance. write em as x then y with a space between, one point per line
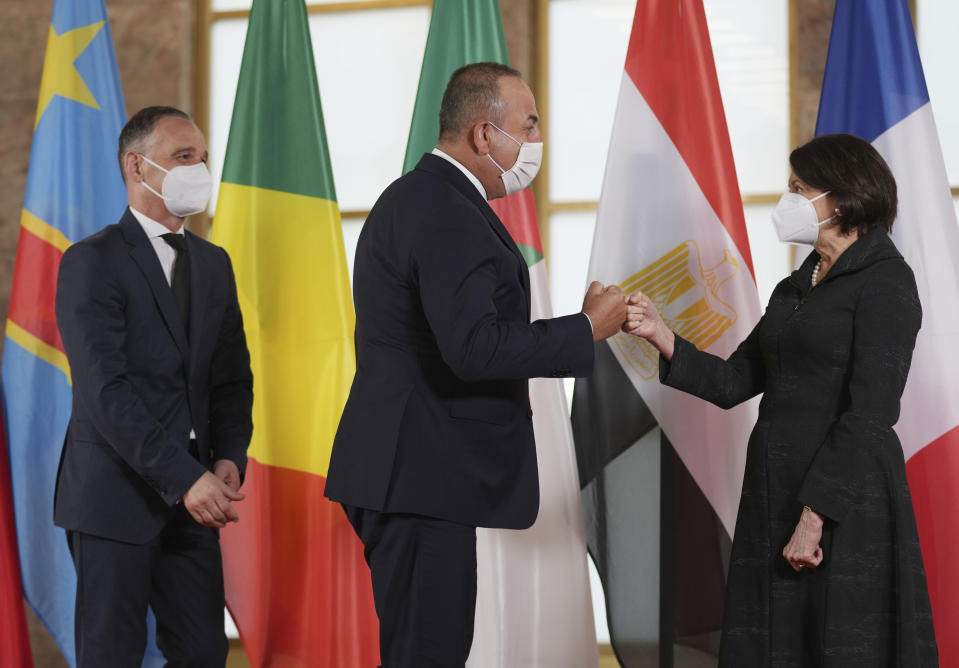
438 420
140 381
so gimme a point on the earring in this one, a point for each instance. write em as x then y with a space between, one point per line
838 212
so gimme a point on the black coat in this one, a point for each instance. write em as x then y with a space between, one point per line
831 364
141 381
438 421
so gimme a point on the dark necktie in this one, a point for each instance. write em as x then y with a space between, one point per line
180 285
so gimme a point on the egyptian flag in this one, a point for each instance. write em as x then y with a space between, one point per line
874 88
296 582
661 503
533 605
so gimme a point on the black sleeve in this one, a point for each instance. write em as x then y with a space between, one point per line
231 385
456 263
725 383
90 315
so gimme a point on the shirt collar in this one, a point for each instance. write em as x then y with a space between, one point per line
152 228
472 177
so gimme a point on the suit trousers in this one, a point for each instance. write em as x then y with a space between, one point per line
424 586
179 574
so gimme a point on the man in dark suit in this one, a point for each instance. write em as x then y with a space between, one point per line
436 437
162 397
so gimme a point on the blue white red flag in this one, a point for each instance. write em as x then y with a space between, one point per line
874 88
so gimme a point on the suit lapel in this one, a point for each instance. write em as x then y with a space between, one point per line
145 257
504 234
444 169
199 295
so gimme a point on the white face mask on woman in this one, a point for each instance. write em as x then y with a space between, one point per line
524 170
796 220
186 188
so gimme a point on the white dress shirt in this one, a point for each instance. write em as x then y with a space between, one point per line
472 177
155 231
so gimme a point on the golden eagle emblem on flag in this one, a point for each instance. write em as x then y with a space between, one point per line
687 296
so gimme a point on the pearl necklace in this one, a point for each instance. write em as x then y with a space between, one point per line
815 274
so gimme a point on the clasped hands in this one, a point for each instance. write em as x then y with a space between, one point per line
210 499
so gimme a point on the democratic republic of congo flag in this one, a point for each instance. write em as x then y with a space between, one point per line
296 582
661 503
14 641
874 88
73 189
533 604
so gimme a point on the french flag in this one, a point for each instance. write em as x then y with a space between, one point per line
874 88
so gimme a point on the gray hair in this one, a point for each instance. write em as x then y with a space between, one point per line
471 94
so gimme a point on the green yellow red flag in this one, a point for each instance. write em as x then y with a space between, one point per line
296 582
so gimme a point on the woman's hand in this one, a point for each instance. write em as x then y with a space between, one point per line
643 320
803 548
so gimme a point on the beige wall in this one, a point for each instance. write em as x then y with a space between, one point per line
155 45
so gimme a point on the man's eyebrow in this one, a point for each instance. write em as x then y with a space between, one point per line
533 117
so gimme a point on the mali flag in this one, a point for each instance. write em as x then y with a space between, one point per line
533 604
73 189
296 581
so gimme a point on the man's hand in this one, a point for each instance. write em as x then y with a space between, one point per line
803 548
606 308
208 501
645 321
227 471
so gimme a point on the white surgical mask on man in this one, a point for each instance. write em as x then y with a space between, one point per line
796 220
524 170
185 189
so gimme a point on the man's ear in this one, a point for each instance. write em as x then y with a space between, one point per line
479 137
132 166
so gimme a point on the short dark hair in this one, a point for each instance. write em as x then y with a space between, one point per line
856 176
138 129
472 93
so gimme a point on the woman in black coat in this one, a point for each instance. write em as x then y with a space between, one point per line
826 569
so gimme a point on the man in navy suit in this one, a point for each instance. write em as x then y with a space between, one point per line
162 396
436 437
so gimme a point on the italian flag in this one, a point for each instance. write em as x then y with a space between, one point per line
296 581
533 602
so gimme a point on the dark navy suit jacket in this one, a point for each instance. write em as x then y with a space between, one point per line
438 421
141 381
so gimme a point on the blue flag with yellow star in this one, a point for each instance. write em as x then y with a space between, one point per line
74 188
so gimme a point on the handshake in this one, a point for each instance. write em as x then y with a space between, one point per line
610 310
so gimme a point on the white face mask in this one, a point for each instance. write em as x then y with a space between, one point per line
186 188
796 220
524 170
